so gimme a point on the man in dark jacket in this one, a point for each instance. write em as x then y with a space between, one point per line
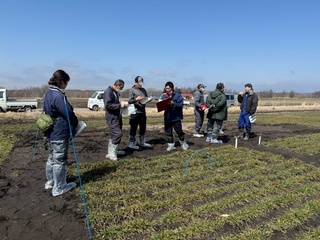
112 105
216 102
249 103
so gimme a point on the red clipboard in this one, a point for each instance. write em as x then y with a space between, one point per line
164 104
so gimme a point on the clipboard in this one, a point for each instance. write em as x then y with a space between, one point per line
146 100
163 105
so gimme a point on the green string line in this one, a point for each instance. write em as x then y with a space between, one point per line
195 153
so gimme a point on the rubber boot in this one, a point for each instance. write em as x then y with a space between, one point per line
49 174
142 142
60 180
214 139
184 145
132 143
112 151
209 137
246 136
240 134
170 147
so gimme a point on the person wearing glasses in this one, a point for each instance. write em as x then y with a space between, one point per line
113 105
173 115
56 105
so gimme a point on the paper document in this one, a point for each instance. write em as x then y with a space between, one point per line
80 127
130 109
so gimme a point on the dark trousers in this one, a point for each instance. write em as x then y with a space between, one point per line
177 126
138 119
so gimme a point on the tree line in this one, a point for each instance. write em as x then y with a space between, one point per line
38 92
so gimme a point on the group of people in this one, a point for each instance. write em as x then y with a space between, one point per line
57 106
215 108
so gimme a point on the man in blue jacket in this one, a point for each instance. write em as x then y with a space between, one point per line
173 116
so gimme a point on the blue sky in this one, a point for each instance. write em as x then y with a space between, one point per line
273 44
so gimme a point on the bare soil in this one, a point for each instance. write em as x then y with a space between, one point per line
28 211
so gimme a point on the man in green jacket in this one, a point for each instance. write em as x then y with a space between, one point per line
216 102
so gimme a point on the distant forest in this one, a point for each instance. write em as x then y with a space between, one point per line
38 92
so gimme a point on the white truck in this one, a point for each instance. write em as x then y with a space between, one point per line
95 102
16 105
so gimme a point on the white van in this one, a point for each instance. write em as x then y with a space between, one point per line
95 102
231 99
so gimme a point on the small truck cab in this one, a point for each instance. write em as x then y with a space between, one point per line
95 102
16 105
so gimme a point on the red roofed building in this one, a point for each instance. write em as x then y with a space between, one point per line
187 95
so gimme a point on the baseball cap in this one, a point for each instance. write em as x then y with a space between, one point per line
248 85
201 85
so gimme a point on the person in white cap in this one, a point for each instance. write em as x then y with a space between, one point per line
138 96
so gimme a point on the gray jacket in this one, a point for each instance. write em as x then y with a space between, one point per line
135 92
198 100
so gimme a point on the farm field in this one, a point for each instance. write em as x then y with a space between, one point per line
255 191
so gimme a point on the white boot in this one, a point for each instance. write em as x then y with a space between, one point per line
209 137
112 148
184 144
60 180
170 147
214 139
142 142
132 143
49 174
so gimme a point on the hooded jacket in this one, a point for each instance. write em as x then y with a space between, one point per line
217 104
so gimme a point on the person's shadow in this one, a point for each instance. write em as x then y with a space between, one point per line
95 174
